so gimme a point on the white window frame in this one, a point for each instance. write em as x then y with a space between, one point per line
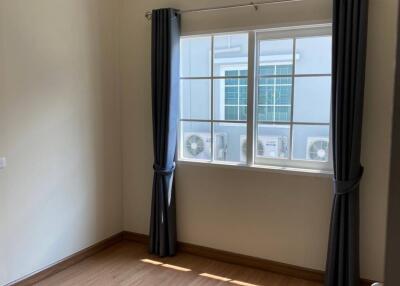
212 121
292 33
290 164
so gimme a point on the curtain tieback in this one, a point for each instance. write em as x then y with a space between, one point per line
348 186
163 171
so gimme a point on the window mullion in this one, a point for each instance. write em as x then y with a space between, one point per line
212 99
251 101
238 97
274 97
292 100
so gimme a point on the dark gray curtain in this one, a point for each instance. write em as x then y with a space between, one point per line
165 93
349 52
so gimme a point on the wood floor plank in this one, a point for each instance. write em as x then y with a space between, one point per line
129 264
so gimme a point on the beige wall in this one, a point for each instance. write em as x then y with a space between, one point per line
378 106
59 129
274 216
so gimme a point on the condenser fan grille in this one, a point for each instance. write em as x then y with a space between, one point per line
260 148
318 150
194 145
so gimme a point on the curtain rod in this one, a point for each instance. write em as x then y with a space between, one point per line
251 4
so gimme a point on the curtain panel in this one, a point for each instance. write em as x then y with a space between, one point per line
348 76
165 107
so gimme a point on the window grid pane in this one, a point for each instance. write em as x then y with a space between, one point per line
315 144
233 87
235 92
274 95
275 99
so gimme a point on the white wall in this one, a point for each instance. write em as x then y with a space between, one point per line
273 216
59 129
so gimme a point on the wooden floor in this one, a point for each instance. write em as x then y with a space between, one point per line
128 263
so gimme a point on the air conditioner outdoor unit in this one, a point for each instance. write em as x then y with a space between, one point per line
267 146
197 145
317 149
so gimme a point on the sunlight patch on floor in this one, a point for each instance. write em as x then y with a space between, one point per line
176 267
216 277
237 282
151 261
207 275
226 279
166 265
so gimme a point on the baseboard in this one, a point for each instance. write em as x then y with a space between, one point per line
243 260
220 255
67 262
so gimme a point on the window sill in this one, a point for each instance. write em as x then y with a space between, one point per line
260 168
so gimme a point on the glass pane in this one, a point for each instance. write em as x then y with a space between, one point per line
243 94
273 141
282 113
231 113
229 142
195 140
312 99
195 98
266 81
195 56
311 142
231 51
276 57
274 99
230 99
262 113
266 94
284 69
242 112
314 55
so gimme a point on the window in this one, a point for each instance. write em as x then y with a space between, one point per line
270 86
